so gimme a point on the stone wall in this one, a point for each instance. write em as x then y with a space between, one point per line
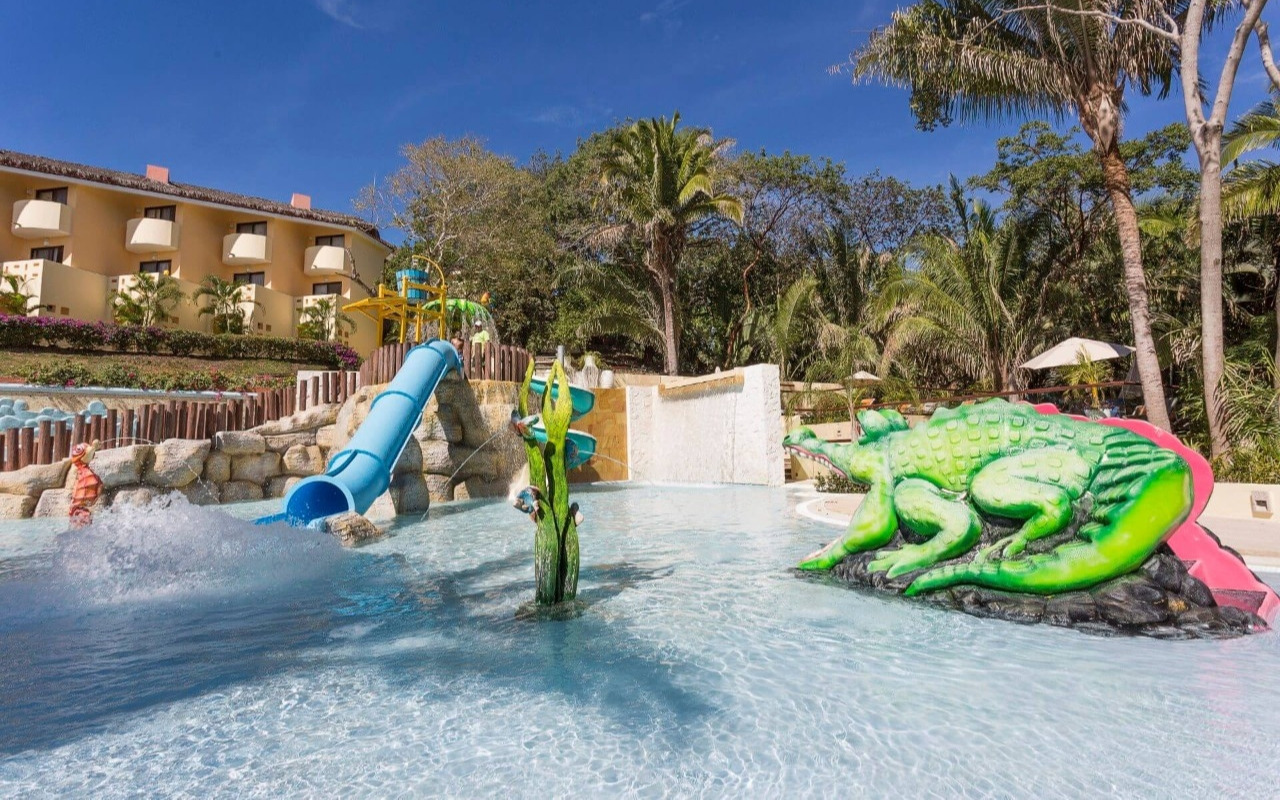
442 461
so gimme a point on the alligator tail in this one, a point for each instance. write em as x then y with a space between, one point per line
1140 500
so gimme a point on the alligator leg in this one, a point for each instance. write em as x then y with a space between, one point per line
1039 487
1140 504
951 525
872 526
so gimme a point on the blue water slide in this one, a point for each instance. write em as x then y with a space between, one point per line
361 471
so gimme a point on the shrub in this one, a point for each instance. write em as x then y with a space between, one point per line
118 375
1250 464
835 483
33 332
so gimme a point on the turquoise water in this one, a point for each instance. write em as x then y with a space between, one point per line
183 652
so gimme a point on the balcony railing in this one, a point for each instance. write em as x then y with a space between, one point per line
326 260
147 235
246 248
41 219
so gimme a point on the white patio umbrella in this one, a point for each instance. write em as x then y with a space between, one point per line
862 378
1069 351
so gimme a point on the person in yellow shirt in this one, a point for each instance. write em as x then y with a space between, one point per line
480 335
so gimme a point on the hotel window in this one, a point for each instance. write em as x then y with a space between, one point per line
260 228
253 278
331 241
161 212
58 195
47 253
155 267
331 287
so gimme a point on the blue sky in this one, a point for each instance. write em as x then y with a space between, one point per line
317 96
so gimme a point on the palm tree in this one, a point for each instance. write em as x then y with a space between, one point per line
324 320
225 301
994 59
13 300
659 182
150 301
612 304
976 307
1252 189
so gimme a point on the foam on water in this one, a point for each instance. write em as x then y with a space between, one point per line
701 667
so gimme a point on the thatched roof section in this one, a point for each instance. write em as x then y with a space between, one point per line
182 191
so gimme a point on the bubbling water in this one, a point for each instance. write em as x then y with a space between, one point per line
171 550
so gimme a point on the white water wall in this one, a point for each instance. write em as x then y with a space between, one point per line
722 428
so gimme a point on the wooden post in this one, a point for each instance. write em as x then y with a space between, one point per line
11 449
60 441
26 445
315 390
44 442
112 439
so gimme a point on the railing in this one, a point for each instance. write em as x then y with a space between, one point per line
51 441
487 361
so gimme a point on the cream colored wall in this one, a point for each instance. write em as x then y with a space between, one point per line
97 245
82 293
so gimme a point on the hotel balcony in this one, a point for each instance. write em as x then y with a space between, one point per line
326 260
266 311
59 290
41 219
239 249
146 235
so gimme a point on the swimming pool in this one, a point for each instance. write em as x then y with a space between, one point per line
182 651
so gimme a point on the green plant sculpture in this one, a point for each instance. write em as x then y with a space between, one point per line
546 499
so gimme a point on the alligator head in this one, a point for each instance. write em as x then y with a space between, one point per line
863 462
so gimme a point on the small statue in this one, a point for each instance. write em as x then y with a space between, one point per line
88 485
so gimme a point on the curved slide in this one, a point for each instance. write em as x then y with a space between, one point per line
360 472
583 444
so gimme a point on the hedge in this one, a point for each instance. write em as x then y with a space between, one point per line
115 375
30 332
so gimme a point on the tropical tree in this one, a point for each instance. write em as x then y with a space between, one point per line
994 59
13 300
323 320
977 306
224 302
659 182
150 301
1252 189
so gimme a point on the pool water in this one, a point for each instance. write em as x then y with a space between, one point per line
182 651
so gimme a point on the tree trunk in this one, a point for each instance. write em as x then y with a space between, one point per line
1211 325
670 330
1116 177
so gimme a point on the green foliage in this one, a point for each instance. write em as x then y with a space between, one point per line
59 373
150 301
36 332
836 483
224 302
324 320
1250 463
660 182
12 299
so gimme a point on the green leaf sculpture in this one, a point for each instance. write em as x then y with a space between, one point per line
555 545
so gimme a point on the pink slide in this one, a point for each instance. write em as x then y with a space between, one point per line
1222 570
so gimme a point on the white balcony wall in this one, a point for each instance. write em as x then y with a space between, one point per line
41 219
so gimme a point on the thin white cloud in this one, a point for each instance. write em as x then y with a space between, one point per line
339 11
571 116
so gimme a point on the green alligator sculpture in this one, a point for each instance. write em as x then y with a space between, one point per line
1006 461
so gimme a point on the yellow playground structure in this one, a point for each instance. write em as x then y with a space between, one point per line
419 302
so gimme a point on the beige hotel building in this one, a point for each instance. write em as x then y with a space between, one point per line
80 234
